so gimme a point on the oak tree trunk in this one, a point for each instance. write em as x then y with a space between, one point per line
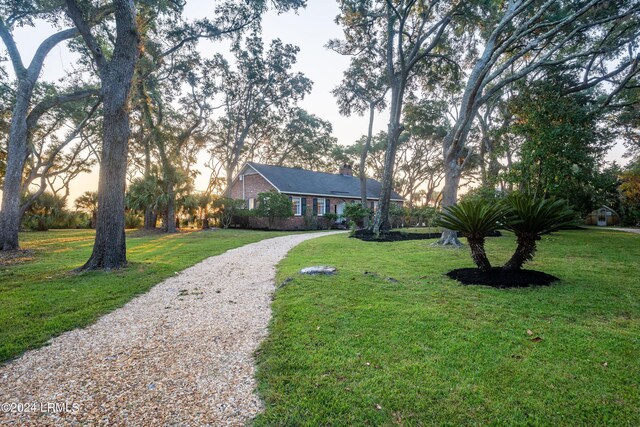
116 75
381 222
449 198
170 223
109 249
17 152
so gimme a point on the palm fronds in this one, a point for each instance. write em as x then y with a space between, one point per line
474 218
529 214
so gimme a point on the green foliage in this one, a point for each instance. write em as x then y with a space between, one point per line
529 214
529 217
255 93
88 203
225 209
563 142
133 220
630 194
331 219
398 215
426 215
273 205
473 217
303 140
144 193
485 194
477 219
355 212
44 212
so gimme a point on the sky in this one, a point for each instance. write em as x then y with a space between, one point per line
310 29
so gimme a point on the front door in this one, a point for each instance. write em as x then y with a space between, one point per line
602 218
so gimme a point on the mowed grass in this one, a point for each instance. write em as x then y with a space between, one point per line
42 298
356 349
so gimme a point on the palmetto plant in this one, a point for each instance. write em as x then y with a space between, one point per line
476 219
529 217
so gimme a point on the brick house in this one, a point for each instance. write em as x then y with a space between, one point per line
312 193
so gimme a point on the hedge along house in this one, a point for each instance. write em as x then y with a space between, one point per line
313 194
602 217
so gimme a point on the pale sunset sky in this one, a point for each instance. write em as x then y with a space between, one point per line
310 29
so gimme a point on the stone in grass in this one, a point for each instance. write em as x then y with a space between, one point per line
318 269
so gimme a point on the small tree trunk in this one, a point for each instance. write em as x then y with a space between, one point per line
363 162
478 253
524 251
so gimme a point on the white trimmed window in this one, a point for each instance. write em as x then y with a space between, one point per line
321 206
297 206
251 203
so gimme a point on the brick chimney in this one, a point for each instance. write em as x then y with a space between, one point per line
346 170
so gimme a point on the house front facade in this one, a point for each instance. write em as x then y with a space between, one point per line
312 194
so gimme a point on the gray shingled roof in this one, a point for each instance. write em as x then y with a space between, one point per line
300 181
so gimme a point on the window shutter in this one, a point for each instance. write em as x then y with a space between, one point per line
303 209
315 206
327 205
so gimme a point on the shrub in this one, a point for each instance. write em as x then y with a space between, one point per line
225 209
133 220
356 213
331 219
274 205
398 215
484 194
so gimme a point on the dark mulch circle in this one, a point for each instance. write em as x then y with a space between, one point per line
398 236
499 278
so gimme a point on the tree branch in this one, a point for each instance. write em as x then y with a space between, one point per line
75 14
14 54
55 101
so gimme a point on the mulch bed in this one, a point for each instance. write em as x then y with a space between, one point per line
398 236
499 278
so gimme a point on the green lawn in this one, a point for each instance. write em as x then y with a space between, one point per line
41 298
356 349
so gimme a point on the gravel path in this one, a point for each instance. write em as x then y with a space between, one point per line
181 354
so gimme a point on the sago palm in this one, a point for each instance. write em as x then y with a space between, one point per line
476 219
529 217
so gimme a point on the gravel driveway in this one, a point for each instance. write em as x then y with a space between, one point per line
181 354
